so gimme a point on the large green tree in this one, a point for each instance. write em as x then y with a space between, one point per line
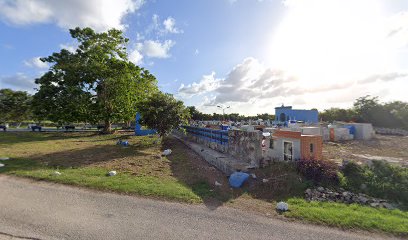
14 105
96 83
162 112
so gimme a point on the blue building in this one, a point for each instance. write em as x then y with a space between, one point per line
285 113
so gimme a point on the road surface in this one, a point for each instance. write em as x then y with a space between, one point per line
39 210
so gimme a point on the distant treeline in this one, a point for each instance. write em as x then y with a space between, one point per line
370 110
197 115
16 106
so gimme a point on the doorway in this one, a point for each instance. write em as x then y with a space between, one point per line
287 151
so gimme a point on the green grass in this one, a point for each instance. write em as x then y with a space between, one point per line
84 159
349 216
97 178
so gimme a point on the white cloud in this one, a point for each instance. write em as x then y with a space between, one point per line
170 25
162 28
35 62
20 81
196 52
156 49
136 57
398 29
386 77
72 47
251 87
97 14
207 83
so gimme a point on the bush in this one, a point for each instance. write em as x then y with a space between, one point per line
319 171
381 180
355 176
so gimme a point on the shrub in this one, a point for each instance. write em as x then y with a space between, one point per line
355 176
381 180
319 171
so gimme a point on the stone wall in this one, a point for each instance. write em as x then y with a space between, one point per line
246 146
327 195
391 131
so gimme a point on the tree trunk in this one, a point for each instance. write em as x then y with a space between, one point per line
108 127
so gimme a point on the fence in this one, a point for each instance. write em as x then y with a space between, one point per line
210 135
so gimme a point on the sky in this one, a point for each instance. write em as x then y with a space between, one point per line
250 55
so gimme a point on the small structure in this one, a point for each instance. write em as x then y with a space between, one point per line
362 131
284 114
291 145
342 131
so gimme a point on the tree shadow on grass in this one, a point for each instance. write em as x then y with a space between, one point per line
194 172
99 156
8 138
88 156
188 167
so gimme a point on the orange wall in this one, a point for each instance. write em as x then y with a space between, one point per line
305 141
317 142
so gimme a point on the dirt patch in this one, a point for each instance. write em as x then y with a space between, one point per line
393 149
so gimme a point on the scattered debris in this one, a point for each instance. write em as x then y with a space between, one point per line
324 194
4 158
277 178
371 157
112 173
237 179
122 143
2 165
218 184
56 173
252 165
253 175
282 206
166 152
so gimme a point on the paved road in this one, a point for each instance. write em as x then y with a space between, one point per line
35 210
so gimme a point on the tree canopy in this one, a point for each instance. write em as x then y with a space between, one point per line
162 112
14 105
370 109
96 83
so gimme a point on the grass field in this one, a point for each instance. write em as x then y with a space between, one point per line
84 159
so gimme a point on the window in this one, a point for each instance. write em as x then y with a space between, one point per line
311 148
271 144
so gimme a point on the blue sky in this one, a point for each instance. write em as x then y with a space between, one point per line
251 55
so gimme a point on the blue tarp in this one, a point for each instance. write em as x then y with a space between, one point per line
237 179
352 129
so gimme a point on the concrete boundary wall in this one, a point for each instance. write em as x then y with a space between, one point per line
246 146
391 131
221 161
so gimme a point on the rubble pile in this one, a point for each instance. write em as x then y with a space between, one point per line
324 194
